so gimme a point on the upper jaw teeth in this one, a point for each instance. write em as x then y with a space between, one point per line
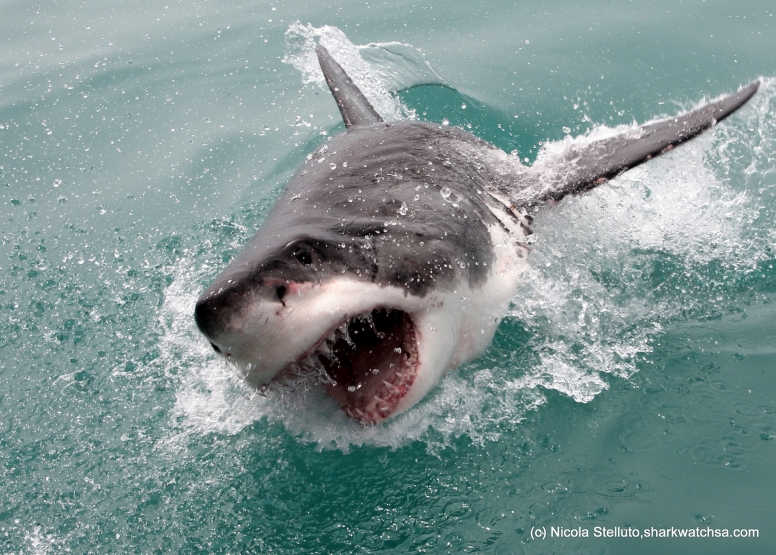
325 346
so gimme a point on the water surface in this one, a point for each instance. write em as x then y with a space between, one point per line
633 382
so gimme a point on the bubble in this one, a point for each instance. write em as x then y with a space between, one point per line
449 196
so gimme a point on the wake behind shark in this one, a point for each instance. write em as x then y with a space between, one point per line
396 248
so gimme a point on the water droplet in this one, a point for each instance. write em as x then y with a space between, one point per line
333 166
416 198
445 121
463 106
446 192
403 209
57 182
567 130
344 164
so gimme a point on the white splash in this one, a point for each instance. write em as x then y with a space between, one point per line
39 544
677 207
378 69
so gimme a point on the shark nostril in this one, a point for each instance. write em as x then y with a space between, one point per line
281 292
215 347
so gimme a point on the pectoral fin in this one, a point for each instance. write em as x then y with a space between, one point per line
587 164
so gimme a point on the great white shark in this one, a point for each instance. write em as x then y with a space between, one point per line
395 250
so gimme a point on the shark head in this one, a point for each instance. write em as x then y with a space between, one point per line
369 342
372 275
379 312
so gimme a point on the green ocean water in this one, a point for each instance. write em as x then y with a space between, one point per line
631 385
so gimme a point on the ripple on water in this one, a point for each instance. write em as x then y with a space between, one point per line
728 452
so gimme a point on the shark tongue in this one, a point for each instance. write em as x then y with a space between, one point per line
372 362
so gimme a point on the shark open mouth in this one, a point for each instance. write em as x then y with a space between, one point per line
370 362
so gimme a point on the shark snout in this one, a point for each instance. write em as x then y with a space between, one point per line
215 308
222 307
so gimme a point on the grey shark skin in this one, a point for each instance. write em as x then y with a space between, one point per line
395 249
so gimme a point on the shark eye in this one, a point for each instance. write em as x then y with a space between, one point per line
303 256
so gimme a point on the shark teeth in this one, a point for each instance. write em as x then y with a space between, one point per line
392 388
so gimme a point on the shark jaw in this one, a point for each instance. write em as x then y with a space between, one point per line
369 363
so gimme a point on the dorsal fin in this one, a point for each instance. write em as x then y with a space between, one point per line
353 105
